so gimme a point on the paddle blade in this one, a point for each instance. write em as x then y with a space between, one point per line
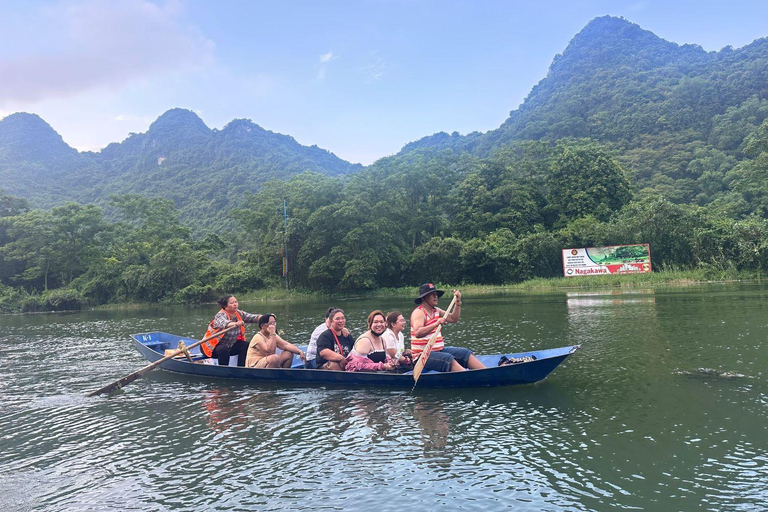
118 384
417 369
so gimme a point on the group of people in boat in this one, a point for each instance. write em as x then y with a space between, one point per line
332 347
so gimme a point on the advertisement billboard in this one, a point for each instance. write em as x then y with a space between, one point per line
612 259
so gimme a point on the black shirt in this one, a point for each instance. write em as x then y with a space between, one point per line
328 341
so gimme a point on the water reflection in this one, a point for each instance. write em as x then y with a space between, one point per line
378 415
581 304
227 413
434 428
616 296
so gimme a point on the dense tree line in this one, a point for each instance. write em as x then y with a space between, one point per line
425 214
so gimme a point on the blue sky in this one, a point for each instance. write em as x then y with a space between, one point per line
360 78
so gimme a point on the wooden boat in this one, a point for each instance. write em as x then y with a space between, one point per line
152 345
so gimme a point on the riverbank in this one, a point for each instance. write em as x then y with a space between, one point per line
655 279
665 278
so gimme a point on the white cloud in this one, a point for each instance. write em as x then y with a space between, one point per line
325 60
375 69
85 44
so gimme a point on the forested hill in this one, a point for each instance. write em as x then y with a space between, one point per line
677 116
204 171
629 139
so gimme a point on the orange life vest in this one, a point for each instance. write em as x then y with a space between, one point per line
209 345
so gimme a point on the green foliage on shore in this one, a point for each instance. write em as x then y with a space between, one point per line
426 216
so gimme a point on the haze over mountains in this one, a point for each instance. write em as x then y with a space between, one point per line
677 116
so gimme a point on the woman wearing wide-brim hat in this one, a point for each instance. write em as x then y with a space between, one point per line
425 319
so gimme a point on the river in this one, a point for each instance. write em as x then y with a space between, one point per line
664 408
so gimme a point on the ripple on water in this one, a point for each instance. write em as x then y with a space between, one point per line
613 428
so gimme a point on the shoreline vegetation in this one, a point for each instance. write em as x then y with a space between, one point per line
490 222
659 279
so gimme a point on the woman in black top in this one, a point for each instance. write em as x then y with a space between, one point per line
369 353
370 343
332 346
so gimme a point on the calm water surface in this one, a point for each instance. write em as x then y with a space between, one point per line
665 408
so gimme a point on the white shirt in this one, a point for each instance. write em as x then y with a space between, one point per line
312 347
390 341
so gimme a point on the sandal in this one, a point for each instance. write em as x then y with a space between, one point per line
506 361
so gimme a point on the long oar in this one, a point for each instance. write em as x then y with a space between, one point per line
419 366
118 384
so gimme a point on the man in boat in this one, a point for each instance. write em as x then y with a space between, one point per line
424 321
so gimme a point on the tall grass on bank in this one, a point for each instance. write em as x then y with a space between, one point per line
668 277
14 301
662 278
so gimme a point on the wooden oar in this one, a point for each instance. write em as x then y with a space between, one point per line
419 366
118 384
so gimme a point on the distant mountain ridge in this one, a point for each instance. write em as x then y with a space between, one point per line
179 157
26 137
677 117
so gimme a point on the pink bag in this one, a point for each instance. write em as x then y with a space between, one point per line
358 363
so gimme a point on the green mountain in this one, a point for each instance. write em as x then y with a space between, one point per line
34 159
26 137
204 171
677 116
622 118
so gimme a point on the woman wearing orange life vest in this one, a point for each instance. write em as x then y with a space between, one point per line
232 342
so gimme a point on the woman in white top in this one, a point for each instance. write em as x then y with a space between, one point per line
393 337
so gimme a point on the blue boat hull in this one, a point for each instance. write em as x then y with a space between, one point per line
152 346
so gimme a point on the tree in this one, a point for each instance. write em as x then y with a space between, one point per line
586 181
10 206
28 246
438 260
76 243
491 198
668 229
750 177
537 255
